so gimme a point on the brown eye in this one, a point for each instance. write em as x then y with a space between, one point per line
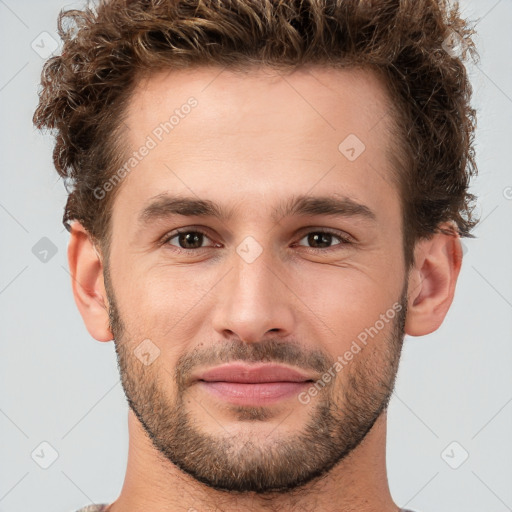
323 239
187 240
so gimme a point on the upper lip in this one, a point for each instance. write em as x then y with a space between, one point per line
255 373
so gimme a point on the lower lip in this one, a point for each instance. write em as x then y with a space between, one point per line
262 393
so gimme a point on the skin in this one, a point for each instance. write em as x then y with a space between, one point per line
253 141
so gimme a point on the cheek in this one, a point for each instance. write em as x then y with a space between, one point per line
347 302
161 301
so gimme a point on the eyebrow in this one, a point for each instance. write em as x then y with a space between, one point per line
165 205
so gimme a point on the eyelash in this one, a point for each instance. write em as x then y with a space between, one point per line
344 240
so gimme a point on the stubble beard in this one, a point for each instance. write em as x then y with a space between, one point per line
341 415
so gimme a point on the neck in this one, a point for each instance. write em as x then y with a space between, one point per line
358 483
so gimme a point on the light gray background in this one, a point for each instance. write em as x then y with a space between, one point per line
60 386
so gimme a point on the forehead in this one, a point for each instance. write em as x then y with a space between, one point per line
351 98
217 132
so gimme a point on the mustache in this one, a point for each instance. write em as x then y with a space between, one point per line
268 351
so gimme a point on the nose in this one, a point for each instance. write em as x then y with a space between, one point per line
254 299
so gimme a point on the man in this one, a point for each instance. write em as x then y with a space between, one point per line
264 198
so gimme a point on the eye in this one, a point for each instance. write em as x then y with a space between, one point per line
324 237
191 240
187 240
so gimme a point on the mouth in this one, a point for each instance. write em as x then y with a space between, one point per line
261 384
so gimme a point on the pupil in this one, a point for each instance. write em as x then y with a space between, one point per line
324 238
195 238
190 238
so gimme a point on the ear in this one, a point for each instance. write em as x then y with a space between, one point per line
432 280
86 270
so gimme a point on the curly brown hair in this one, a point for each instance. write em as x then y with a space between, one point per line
106 49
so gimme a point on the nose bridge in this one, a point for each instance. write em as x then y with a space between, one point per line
252 276
253 299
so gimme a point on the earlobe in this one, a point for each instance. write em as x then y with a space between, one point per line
432 282
86 268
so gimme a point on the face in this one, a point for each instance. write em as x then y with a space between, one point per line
259 331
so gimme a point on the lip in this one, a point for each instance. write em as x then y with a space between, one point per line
261 384
253 374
